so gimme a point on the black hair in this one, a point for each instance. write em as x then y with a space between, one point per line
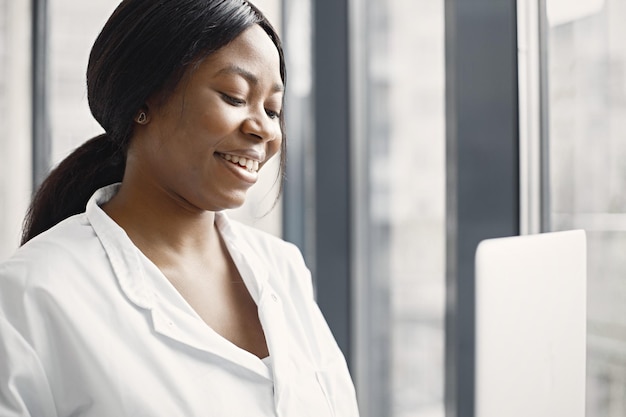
144 49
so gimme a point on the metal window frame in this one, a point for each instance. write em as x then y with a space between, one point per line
298 192
321 222
370 372
482 167
332 167
534 117
41 139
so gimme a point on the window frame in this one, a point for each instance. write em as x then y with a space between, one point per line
481 120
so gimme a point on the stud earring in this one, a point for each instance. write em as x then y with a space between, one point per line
142 118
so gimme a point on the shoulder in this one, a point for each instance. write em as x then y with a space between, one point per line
66 246
55 275
68 237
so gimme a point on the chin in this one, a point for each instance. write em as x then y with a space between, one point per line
233 202
231 207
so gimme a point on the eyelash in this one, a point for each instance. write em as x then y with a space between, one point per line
272 114
239 102
232 100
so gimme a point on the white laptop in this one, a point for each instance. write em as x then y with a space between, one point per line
531 326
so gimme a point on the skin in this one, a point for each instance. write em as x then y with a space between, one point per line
176 178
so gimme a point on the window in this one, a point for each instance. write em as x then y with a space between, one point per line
74 26
399 152
587 179
15 119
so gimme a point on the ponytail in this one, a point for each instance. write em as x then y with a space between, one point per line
65 192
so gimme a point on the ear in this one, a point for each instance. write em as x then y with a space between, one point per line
143 115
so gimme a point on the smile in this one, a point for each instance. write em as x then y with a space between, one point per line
249 164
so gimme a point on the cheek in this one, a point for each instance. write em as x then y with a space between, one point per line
217 122
276 145
204 131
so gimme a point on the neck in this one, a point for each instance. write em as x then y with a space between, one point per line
162 226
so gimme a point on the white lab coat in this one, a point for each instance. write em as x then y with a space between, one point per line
90 327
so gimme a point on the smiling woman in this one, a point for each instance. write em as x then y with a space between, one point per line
228 105
133 293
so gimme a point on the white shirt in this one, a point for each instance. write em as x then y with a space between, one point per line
90 327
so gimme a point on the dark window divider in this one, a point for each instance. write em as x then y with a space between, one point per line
41 140
482 163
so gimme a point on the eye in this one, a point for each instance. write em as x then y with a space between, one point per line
272 114
234 101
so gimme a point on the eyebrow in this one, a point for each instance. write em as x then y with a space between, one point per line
250 77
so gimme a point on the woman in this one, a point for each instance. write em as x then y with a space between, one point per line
133 294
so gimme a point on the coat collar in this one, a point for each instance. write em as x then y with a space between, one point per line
145 286
122 253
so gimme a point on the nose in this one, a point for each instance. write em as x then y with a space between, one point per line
261 126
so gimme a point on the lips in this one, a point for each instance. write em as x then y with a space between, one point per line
249 164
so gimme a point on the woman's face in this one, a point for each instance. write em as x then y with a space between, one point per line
203 146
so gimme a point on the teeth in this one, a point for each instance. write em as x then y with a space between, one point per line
249 164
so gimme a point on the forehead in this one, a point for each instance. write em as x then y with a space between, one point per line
252 51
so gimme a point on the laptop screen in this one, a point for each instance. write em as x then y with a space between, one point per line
531 326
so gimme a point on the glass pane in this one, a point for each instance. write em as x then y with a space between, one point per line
402 373
74 26
587 102
15 108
